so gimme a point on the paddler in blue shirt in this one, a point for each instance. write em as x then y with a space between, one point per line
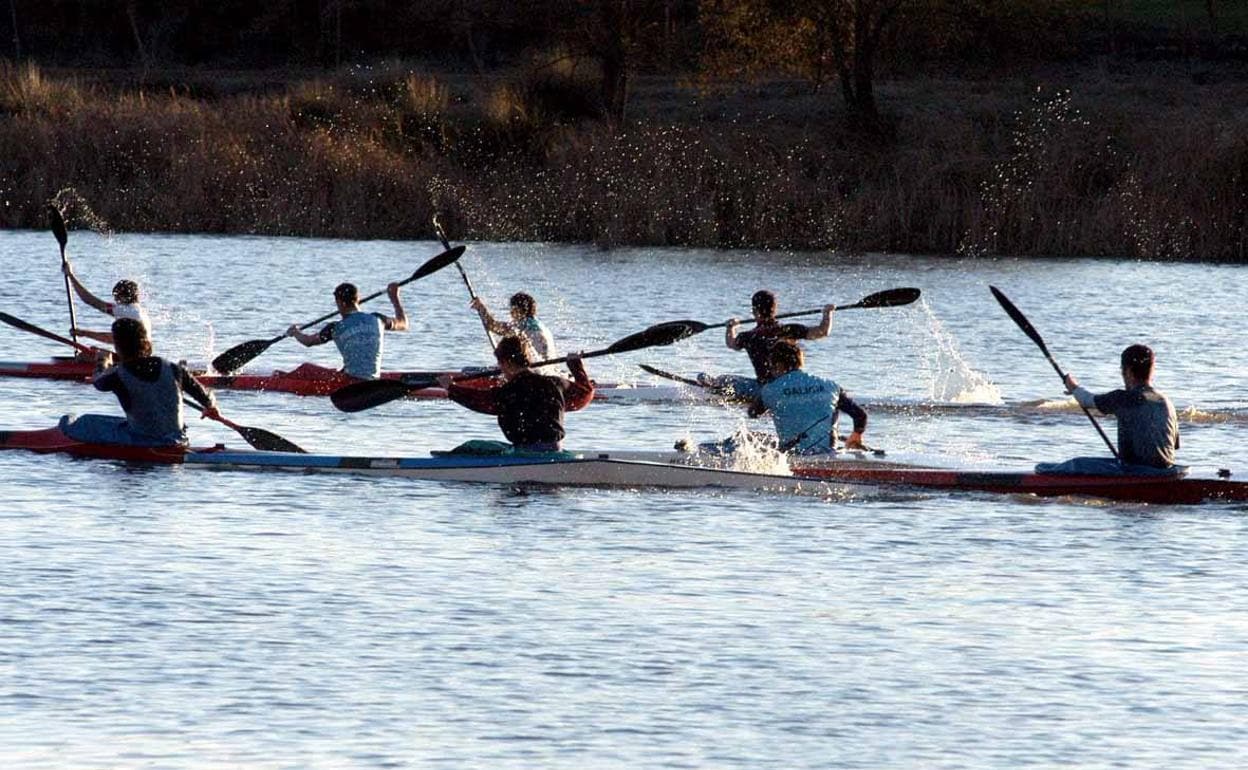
758 342
1148 428
360 336
804 407
149 389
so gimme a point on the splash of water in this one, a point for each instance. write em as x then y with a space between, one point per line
74 207
951 378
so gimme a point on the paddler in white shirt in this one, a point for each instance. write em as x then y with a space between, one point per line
523 324
125 304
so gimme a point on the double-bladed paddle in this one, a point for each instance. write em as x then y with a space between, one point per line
62 238
257 437
886 298
238 356
26 326
1017 316
441 233
359 396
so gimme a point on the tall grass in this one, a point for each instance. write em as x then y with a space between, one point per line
1158 171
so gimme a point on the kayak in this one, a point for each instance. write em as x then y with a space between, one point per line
560 468
928 472
311 380
53 441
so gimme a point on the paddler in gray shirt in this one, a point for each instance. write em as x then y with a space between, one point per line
149 389
1148 429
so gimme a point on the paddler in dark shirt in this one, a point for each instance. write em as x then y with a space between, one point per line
1148 428
530 406
149 389
758 342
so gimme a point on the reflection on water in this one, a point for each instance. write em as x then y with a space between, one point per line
172 618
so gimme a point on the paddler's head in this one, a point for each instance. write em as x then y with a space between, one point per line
1137 365
512 355
131 340
764 305
126 292
522 306
785 357
347 297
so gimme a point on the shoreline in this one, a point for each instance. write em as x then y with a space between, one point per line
1148 162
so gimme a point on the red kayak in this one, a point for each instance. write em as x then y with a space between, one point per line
1141 489
53 441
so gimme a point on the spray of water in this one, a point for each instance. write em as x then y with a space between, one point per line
950 376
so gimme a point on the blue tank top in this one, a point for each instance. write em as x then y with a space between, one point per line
360 338
797 401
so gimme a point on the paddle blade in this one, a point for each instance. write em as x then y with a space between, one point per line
238 356
656 336
448 257
1019 319
890 298
58 226
359 396
266 441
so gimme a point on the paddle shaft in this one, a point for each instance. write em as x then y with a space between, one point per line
441 233
794 314
1025 325
62 239
29 327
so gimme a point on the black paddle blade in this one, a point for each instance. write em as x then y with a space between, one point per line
1019 319
359 396
268 442
238 356
657 335
890 298
58 225
657 372
448 257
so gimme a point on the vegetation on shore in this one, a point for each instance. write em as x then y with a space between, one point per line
1068 155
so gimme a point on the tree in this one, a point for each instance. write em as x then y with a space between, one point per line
812 38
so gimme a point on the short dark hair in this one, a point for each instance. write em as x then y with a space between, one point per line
524 303
1139 360
764 303
346 293
130 338
786 355
126 292
512 350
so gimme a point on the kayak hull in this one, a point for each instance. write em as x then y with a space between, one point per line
53 441
312 380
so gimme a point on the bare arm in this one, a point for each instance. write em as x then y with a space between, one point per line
823 329
308 340
83 292
105 337
730 334
399 322
490 322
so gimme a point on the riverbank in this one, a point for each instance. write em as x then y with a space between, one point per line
1141 160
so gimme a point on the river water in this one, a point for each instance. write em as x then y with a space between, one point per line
169 617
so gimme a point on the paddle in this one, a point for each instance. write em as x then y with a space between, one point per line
238 356
1020 319
29 327
441 233
259 438
886 298
359 396
62 238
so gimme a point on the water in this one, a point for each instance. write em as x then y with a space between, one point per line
169 617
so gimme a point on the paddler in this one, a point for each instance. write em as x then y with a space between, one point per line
150 391
360 336
530 406
803 407
1148 428
125 304
758 342
524 324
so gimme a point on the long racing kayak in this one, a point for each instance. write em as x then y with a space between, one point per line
560 468
309 380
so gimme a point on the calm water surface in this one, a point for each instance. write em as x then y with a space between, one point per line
167 617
